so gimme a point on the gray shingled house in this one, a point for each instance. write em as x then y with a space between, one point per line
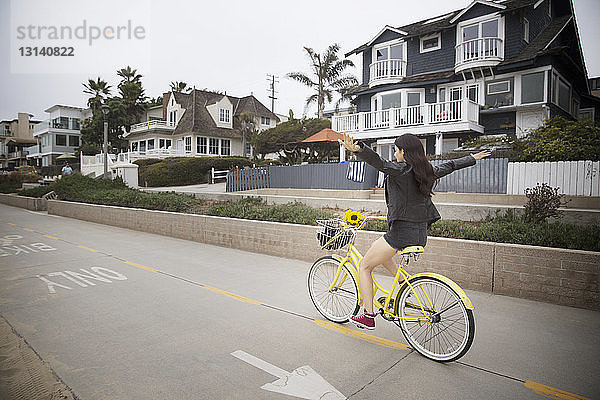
199 123
492 68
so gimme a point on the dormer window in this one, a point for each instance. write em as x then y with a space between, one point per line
389 62
526 30
224 115
265 121
431 43
480 42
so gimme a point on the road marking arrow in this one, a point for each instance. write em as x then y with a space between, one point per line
303 382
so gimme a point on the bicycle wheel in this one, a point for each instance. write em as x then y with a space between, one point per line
448 333
339 303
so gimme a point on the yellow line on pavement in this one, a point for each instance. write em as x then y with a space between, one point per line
552 393
27 229
87 248
141 266
361 335
51 237
235 296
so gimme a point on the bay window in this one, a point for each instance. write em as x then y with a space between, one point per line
201 145
213 146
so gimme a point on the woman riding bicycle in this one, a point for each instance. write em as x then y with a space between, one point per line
408 188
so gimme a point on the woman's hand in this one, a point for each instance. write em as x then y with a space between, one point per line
481 154
349 143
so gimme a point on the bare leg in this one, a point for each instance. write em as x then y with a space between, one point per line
380 252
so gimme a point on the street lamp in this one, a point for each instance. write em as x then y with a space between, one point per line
105 111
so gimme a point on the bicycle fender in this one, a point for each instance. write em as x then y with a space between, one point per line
461 293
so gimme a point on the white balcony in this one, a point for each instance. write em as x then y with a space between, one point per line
476 53
148 125
386 71
449 116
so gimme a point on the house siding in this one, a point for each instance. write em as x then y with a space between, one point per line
538 19
437 60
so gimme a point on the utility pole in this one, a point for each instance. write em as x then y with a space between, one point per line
272 79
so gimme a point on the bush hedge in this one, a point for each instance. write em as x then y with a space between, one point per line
9 187
83 189
255 208
179 171
38 191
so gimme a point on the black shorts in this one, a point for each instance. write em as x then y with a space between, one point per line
402 234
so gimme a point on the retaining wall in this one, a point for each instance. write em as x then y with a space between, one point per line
30 203
568 277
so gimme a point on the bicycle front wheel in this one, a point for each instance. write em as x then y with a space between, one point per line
434 320
337 301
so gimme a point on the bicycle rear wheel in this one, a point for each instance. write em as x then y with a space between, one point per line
445 331
339 303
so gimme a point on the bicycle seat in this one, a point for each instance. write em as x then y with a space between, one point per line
411 250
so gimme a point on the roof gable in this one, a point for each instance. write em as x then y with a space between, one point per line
477 8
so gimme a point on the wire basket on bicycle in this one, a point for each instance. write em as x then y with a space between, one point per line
333 234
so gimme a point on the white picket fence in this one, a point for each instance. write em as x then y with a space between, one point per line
575 178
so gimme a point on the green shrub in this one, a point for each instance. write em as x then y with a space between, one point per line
543 202
255 208
80 188
38 191
511 228
178 171
15 176
9 187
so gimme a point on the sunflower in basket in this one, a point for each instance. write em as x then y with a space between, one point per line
353 218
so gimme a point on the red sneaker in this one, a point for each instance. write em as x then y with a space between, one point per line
364 320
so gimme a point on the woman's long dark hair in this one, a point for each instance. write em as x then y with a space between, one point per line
414 154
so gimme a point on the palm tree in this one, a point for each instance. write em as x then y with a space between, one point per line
327 77
99 90
180 87
129 75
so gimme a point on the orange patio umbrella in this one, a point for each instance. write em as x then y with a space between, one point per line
326 135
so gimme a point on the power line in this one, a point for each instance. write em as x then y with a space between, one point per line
272 79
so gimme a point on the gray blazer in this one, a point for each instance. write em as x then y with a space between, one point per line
404 200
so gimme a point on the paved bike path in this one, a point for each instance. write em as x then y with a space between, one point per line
169 313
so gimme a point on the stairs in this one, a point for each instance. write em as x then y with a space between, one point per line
377 194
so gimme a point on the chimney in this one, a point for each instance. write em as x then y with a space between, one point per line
165 104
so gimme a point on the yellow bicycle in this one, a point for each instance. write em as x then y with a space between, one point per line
432 311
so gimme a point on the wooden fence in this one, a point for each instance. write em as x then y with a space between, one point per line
495 175
574 178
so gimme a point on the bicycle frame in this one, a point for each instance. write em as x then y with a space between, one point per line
352 261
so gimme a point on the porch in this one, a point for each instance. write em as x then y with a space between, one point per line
448 116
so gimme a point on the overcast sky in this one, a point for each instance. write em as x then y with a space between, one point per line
222 45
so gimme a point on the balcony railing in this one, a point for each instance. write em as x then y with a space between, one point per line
478 50
155 124
385 70
424 114
69 124
17 154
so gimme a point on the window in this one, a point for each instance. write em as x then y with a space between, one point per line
142 146
391 51
223 115
474 49
201 145
213 146
561 93
134 146
455 93
413 99
164 143
586 113
498 87
75 124
532 88
73 140
248 149
391 100
526 30
225 147
575 107
187 144
150 144
265 121
430 43
61 140
173 117
473 93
